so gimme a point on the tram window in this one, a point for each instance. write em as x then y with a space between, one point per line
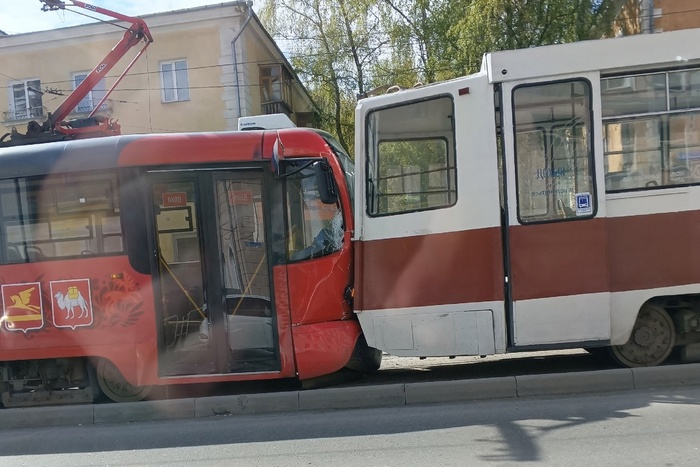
314 229
684 89
411 157
632 154
633 94
660 145
553 156
60 216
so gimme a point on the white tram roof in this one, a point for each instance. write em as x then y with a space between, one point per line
609 56
629 54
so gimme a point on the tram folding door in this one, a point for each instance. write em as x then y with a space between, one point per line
557 261
215 284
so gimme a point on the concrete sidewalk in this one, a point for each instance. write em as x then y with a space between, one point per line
616 380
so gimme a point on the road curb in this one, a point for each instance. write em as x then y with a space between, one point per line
460 390
664 376
32 417
388 395
144 411
246 404
359 397
575 383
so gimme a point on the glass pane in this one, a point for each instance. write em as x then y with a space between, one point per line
60 216
183 85
553 151
276 90
84 105
314 229
10 200
20 101
250 329
71 228
413 175
633 94
684 148
186 338
633 154
98 92
532 190
406 173
168 82
242 236
684 88
34 96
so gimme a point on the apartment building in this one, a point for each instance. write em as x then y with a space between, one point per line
206 67
651 16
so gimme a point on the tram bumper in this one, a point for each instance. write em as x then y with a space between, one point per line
324 348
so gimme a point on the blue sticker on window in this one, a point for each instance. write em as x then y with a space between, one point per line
584 207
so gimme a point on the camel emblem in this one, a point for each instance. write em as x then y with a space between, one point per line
71 300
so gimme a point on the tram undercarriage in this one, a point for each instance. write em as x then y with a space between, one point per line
27 383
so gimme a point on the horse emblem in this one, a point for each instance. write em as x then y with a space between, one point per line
22 308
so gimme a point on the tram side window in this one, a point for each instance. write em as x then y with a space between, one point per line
411 157
553 155
60 216
314 229
652 130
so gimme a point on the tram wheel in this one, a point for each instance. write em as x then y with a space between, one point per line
651 341
598 352
115 386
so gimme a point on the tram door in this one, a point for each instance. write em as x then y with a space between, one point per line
557 251
216 313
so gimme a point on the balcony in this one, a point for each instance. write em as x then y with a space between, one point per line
23 115
87 107
277 107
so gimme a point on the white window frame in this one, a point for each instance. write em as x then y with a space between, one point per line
93 97
11 100
180 91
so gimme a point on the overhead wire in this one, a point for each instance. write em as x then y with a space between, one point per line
290 55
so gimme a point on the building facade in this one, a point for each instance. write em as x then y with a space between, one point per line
651 16
206 67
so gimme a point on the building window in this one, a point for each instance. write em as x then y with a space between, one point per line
88 103
25 100
174 81
275 85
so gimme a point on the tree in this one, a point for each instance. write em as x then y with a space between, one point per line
492 25
421 27
345 48
332 43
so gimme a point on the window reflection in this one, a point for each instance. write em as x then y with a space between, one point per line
314 229
660 144
554 168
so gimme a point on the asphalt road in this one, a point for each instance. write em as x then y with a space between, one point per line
640 428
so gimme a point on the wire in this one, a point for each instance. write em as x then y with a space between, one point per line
101 20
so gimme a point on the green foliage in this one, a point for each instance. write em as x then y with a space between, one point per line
492 25
345 48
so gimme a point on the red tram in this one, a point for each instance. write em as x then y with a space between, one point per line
133 261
